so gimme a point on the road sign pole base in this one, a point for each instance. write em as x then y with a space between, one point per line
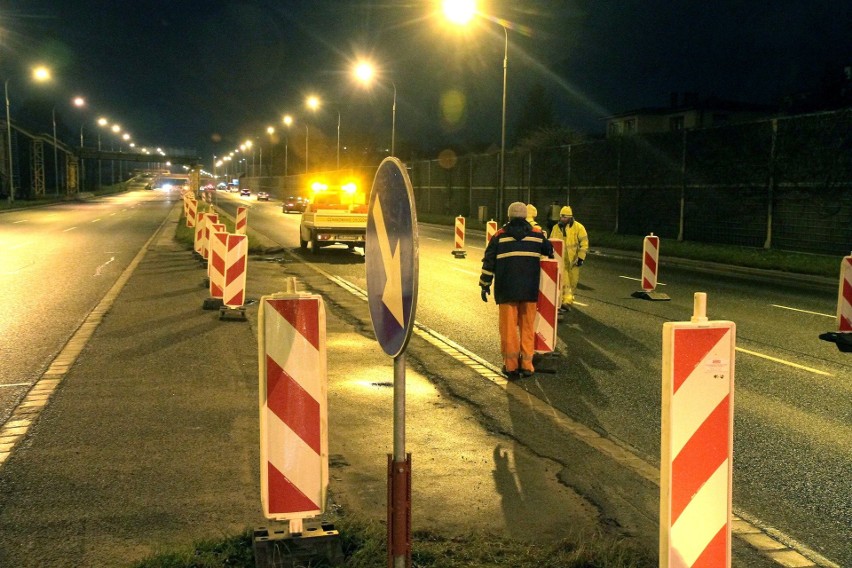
319 543
232 314
399 511
843 340
652 295
460 253
212 304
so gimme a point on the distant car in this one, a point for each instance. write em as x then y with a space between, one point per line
245 192
293 203
262 196
171 183
222 186
233 188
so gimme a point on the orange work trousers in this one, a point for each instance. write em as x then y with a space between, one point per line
517 335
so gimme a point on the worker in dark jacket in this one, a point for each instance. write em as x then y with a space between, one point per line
512 262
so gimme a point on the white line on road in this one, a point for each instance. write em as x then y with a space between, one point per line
16 385
21 221
783 362
101 267
69 229
95 220
832 316
433 239
639 280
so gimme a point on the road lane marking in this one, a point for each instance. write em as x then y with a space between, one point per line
832 316
69 229
21 221
16 385
433 239
101 267
95 220
639 280
783 362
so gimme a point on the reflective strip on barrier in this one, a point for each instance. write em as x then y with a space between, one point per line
234 295
697 444
650 262
241 223
216 265
549 295
459 233
490 230
209 219
293 406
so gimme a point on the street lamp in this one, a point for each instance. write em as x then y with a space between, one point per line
271 131
461 12
364 72
41 74
80 102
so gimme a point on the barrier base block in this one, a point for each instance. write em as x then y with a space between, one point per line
233 314
843 340
460 253
319 544
212 304
652 295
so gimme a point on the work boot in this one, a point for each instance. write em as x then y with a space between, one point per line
511 375
526 373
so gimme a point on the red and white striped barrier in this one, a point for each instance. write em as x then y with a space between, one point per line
241 223
844 296
549 297
459 251
216 265
650 268
209 220
697 441
490 231
559 256
190 209
236 256
293 407
650 262
199 232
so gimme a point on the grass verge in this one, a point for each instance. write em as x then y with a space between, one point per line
186 235
364 547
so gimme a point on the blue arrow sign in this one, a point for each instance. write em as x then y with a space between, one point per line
392 256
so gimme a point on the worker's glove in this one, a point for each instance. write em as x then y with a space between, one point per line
484 293
579 262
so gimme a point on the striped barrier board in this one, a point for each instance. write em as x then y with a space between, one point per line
650 268
209 219
490 231
559 256
216 266
697 443
844 296
236 256
293 406
199 232
241 223
459 251
549 297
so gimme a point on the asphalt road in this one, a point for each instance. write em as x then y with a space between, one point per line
793 410
56 263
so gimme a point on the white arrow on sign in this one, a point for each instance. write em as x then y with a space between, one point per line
392 294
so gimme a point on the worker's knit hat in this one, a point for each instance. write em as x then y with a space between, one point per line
518 209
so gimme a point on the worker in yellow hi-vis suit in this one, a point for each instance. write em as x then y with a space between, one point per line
576 240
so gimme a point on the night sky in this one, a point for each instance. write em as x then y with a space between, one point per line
208 74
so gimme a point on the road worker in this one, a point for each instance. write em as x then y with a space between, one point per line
576 240
511 261
531 213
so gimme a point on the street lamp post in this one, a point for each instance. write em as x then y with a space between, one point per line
9 144
306 148
462 13
55 153
364 72
287 120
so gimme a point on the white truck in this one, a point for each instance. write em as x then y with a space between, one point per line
336 214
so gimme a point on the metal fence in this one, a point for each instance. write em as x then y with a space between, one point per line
783 183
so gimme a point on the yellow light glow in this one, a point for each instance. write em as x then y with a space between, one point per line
248 144
79 101
287 120
313 102
41 73
460 12
116 128
102 121
270 130
364 72
318 186
350 187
